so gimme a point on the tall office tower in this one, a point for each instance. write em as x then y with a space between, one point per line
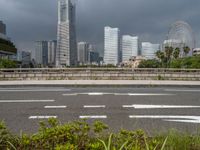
111 45
66 53
83 50
52 45
130 47
2 28
41 52
149 50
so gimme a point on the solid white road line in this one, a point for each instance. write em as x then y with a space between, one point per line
181 90
25 101
118 94
71 94
36 90
158 106
94 106
92 117
42 117
54 107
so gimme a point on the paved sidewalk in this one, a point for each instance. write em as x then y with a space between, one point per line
98 83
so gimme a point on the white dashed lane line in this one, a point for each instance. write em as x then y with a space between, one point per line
94 106
42 117
25 101
92 117
54 107
34 90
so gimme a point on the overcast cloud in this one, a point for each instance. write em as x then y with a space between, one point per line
31 20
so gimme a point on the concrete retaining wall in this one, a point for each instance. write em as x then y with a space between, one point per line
99 74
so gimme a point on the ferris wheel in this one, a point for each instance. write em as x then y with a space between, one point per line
182 32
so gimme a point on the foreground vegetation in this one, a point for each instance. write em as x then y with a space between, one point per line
79 135
170 58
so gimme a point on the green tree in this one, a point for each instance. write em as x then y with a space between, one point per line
168 55
186 50
149 64
176 53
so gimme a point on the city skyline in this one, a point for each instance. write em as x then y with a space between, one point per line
152 24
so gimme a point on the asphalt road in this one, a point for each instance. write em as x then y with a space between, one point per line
151 109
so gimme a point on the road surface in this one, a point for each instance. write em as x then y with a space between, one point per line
151 109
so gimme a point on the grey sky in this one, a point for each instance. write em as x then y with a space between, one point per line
31 20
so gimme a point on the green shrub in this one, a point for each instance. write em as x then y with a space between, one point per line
80 135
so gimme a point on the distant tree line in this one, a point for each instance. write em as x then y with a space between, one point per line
170 58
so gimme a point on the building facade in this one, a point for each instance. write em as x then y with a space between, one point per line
3 31
52 45
66 53
149 50
111 45
2 28
130 47
41 53
196 51
24 57
83 51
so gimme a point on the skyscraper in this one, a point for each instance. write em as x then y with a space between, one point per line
66 53
111 45
130 47
83 50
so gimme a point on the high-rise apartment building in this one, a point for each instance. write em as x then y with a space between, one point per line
83 51
41 52
149 50
66 53
111 45
52 45
130 47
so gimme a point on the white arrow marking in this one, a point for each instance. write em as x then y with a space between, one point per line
92 117
148 94
94 106
164 117
42 117
183 121
25 101
52 107
157 106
